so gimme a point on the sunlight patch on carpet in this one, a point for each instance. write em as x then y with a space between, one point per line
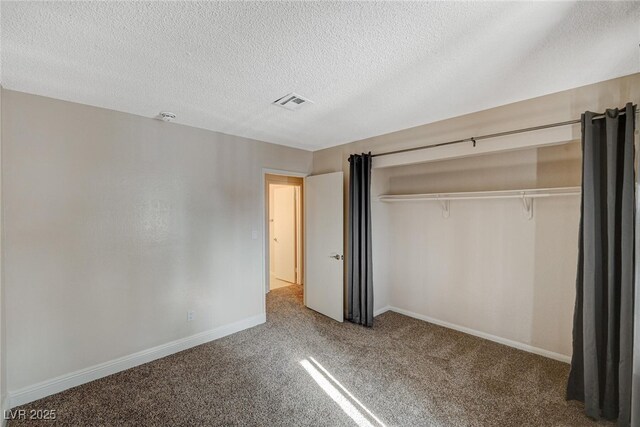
343 399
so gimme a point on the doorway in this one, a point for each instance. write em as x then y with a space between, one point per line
283 196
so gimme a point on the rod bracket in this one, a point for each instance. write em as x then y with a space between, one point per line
474 141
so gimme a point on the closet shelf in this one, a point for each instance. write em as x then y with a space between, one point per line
525 195
530 193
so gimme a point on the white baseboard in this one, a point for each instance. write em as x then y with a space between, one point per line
379 311
73 379
500 340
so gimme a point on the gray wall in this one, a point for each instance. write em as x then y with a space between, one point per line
116 225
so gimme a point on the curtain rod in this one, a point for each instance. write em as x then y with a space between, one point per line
474 139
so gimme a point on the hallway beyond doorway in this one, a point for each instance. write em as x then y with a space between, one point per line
283 196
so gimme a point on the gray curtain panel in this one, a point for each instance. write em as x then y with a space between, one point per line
359 269
601 366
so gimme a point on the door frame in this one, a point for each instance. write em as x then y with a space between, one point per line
265 224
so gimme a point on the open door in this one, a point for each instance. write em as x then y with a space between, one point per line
324 261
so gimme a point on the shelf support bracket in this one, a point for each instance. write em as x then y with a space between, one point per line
527 205
446 208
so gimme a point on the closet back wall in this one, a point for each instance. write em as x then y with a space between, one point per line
487 268
116 225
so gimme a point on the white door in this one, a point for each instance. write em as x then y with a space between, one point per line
284 232
324 283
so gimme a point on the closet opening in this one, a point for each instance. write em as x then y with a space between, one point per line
284 232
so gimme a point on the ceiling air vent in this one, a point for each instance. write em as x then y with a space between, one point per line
292 101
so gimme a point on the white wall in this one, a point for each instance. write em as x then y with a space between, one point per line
116 225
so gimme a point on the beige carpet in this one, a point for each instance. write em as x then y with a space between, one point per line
403 372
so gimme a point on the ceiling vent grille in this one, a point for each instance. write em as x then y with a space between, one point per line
292 101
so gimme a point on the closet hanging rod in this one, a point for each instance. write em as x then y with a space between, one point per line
474 139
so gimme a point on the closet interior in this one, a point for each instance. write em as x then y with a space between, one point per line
486 244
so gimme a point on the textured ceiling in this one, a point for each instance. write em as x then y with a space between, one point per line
371 68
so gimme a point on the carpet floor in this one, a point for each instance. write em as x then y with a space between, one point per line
303 369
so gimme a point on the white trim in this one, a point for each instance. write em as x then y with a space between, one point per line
379 311
82 376
494 338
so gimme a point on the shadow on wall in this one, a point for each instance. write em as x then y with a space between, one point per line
557 223
499 171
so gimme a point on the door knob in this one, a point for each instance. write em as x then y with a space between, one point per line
336 256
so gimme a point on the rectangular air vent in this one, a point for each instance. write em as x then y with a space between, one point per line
292 101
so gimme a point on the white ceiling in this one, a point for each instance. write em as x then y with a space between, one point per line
371 67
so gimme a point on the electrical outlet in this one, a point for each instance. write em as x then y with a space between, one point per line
254 234
191 315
